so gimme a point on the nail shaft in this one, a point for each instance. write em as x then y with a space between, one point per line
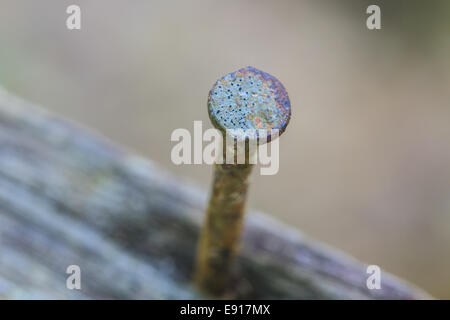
219 239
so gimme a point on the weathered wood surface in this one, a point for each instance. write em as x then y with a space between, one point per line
68 197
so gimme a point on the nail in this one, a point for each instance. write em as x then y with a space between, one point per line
247 99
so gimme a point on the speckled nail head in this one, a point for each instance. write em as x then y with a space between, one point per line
249 99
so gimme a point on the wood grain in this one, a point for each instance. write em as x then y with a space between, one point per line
67 196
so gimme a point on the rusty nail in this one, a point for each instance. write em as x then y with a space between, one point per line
247 99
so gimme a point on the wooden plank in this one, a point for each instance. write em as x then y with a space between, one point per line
67 197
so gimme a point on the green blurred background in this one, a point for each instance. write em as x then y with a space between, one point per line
365 162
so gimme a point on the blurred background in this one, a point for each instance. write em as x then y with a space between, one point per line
365 161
